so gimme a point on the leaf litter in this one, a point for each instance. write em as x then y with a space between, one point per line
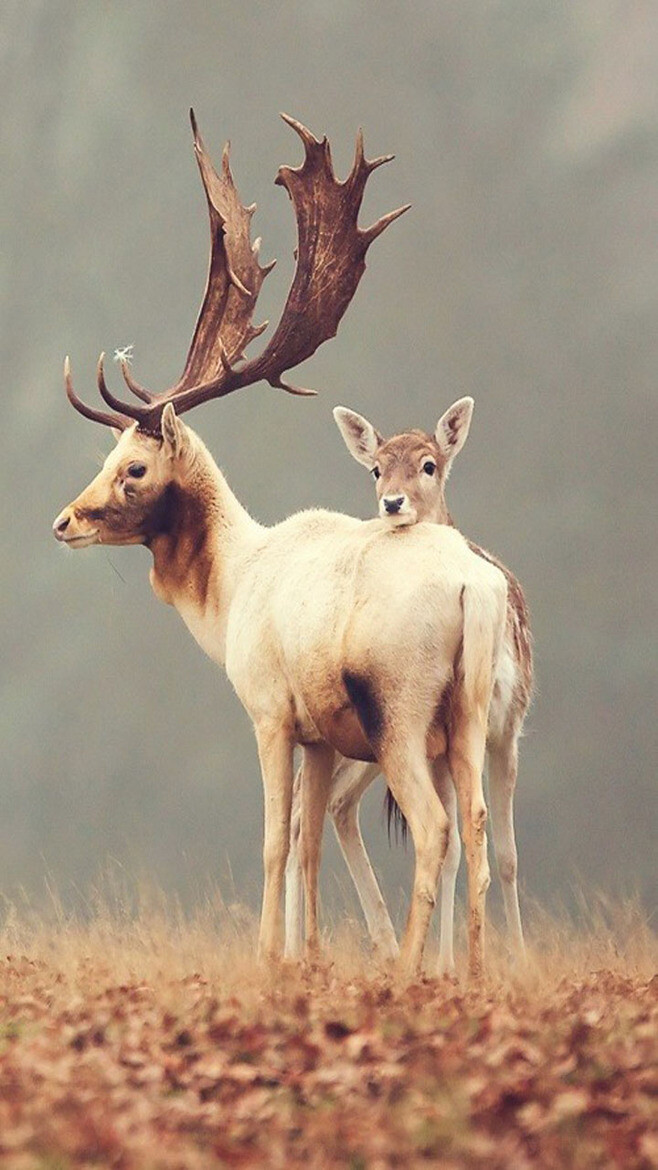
155 1042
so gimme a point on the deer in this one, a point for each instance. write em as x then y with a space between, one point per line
331 643
410 471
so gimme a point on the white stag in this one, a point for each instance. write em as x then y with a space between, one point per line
410 472
330 641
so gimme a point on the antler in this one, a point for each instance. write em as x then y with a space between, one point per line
330 254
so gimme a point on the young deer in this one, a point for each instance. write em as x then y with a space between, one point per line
330 643
410 472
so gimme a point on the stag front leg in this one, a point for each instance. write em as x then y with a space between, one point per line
350 781
275 751
466 760
317 768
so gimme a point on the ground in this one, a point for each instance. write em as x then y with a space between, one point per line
149 1040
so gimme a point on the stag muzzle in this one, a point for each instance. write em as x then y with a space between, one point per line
73 531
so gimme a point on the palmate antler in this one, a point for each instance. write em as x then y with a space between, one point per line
331 251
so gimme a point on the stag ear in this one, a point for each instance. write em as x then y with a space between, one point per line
453 427
116 433
173 431
363 441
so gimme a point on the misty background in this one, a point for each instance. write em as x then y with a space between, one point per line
526 275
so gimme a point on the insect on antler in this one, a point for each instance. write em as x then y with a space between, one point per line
331 250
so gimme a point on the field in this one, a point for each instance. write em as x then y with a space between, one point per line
146 1039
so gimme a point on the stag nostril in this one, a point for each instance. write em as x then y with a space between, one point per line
61 524
392 504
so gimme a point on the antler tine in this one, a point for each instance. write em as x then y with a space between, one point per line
382 223
305 134
100 416
370 165
133 412
135 387
300 391
373 163
360 160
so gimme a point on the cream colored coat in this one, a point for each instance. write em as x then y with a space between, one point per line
337 634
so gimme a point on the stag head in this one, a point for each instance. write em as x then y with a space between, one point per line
132 499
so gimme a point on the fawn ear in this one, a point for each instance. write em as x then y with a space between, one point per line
453 427
361 438
174 432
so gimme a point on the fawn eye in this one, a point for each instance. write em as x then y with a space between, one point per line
376 472
429 468
137 470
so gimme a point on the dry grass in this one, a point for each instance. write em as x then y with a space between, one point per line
136 1036
135 931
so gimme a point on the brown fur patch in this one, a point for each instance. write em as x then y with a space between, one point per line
141 515
364 699
180 543
343 730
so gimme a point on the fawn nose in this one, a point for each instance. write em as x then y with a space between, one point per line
392 504
61 524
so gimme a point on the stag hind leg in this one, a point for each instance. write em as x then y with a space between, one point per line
317 768
294 895
503 766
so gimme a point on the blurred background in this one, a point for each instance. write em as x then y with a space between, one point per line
526 275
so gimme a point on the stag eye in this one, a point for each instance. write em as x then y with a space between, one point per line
429 468
137 470
376 472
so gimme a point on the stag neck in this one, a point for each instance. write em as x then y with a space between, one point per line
206 536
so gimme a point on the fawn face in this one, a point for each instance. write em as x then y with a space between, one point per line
410 470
